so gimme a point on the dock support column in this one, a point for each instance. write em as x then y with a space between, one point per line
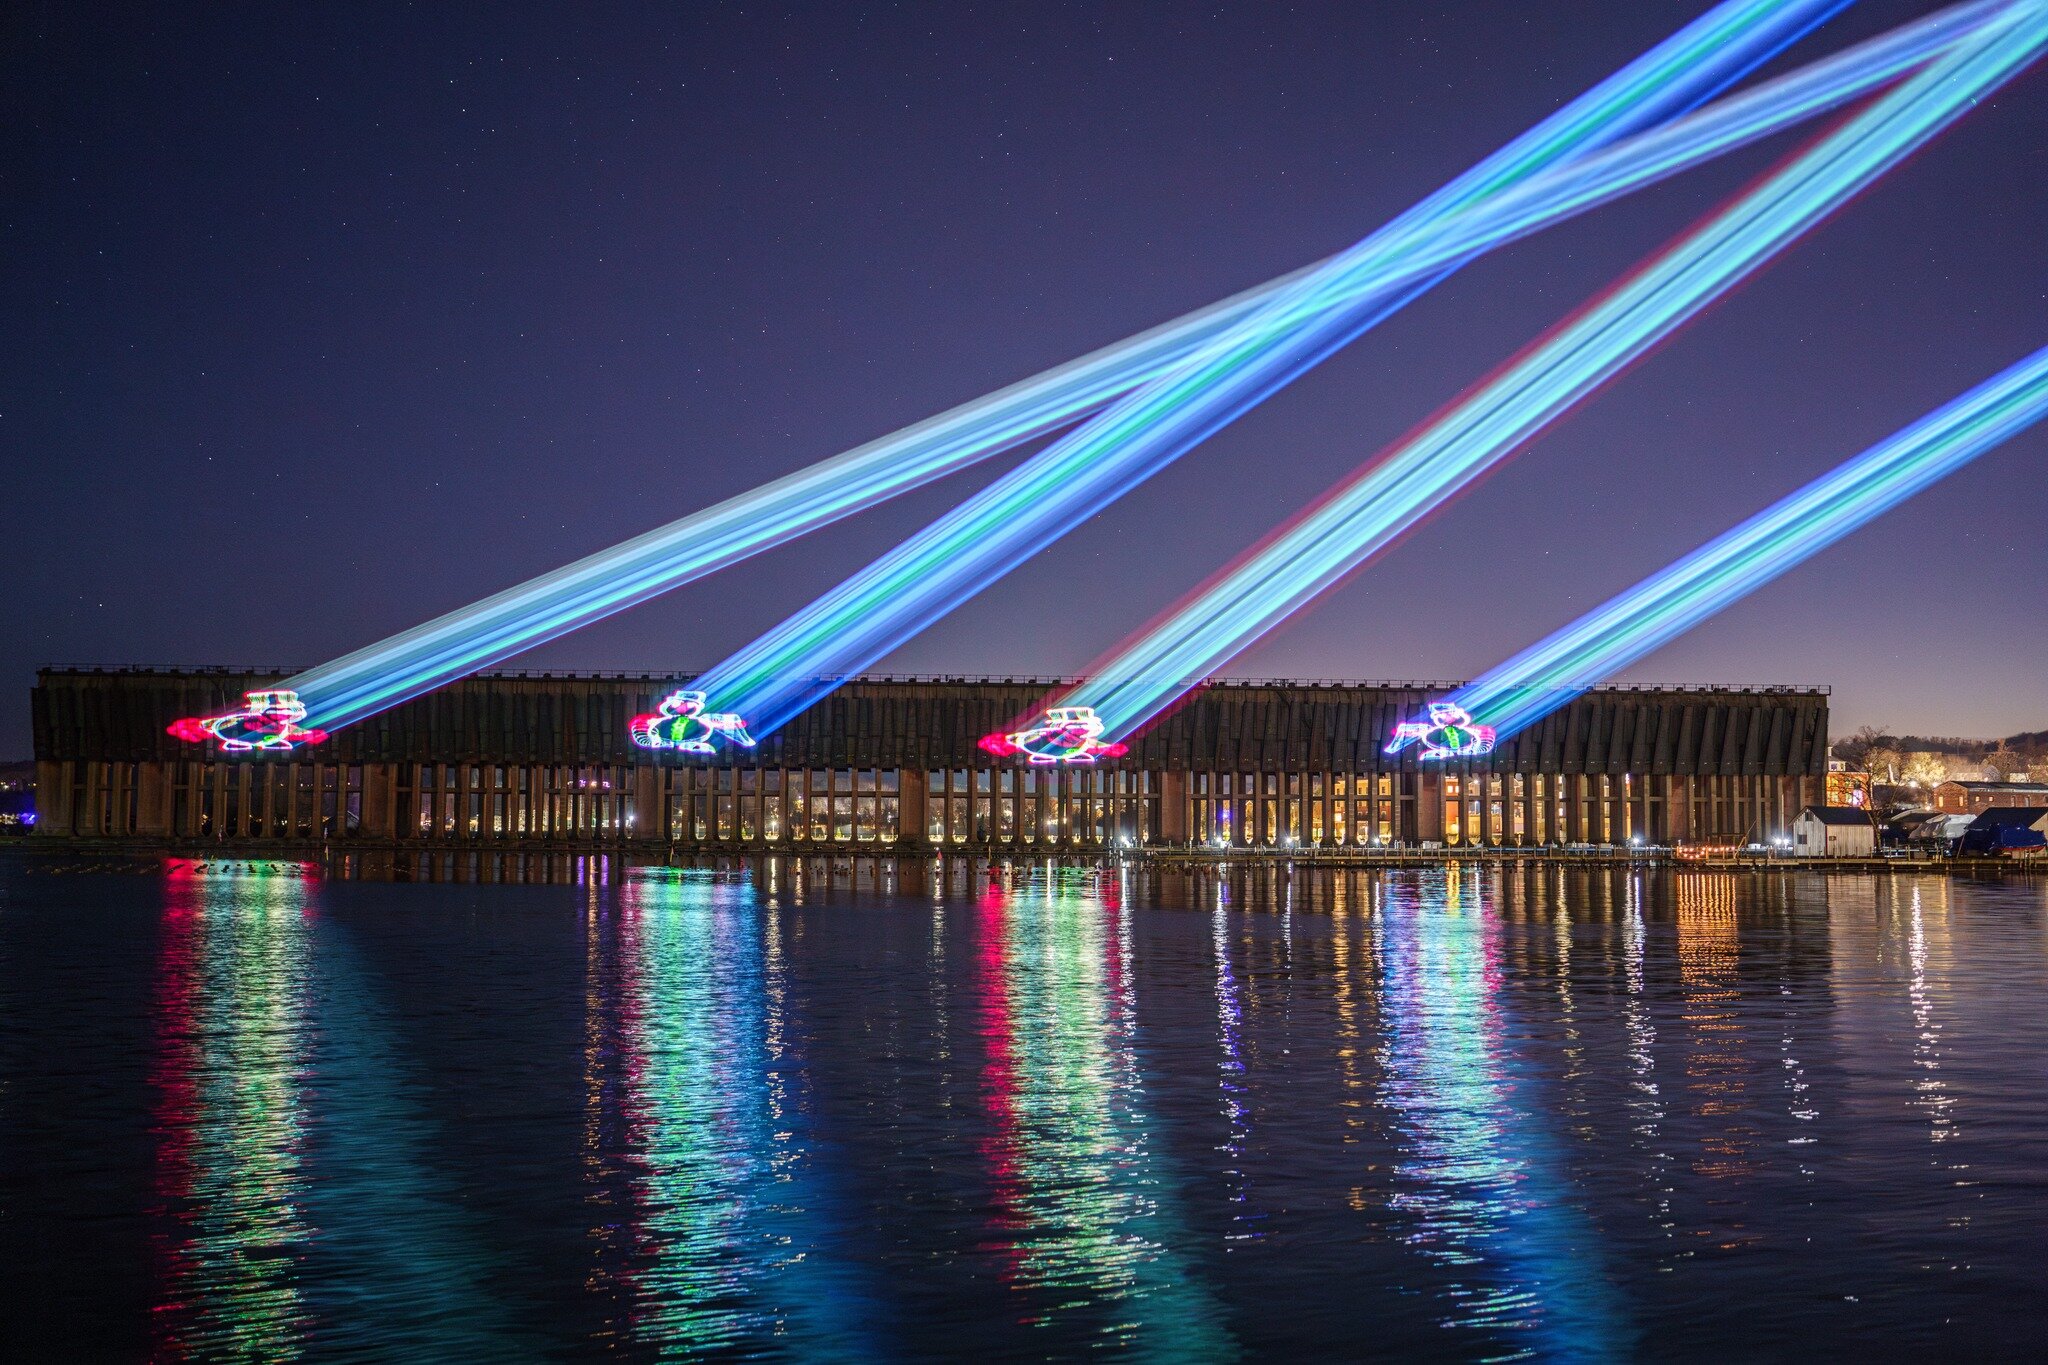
647 822
152 801
53 798
379 783
1429 807
1677 810
913 797
1173 808
1789 804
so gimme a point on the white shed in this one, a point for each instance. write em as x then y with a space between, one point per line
1834 832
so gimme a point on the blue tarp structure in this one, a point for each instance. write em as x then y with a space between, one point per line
2007 829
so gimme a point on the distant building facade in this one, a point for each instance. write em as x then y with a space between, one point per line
1847 786
1834 832
513 759
1973 798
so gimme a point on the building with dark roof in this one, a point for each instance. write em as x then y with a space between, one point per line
1900 829
1968 798
544 759
2006 829
1834 832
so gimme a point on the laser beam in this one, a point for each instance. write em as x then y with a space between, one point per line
1368 512
414 661
1548 674
794 664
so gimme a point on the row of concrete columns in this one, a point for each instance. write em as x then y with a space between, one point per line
138 801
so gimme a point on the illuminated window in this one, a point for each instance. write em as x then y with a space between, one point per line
821 806
771 806
1006 806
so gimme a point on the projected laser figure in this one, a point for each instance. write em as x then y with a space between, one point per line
1450 732
1548 674
415 661
1366 514
1068 734
681 722
270 722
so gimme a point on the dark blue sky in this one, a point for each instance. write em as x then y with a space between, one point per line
324 320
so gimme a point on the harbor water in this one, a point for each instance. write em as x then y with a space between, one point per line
877 1110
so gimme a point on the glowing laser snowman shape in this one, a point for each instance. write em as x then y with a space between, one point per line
269 721
683 724
1068 734
1450 732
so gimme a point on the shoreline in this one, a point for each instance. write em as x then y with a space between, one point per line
654 855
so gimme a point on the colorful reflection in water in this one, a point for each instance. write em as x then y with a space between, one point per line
1478 1179
290 1146
1021 1112
1085 1220
713 1221
230 1072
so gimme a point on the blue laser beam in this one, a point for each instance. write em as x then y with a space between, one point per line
1368 512
1548 674
792 665
414 661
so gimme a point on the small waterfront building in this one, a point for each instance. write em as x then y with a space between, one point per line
546 760
1938 837
1973 798
1899 830
2006 830
1834 832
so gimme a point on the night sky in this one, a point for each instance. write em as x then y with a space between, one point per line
325 320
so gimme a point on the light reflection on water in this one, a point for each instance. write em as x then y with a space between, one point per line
234 1045
1925 911
1477 1181
708 1212
1231 1075
289 1144
1083 1219
839 1111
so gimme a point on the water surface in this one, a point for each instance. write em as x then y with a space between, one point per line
866 1110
